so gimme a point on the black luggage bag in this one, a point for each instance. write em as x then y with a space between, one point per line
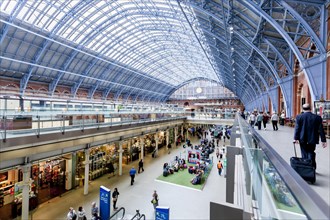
304 167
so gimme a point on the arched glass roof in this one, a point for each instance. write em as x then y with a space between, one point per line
147 49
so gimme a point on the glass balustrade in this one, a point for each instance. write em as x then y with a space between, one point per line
42 121
276 190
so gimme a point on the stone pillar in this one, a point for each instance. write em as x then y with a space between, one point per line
167 138
157 140
182 130
86 171
26 191
142 147
120 167
175 134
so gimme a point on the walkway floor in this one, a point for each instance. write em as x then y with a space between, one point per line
281 141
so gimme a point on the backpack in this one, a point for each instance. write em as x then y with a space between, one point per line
74 216
219 165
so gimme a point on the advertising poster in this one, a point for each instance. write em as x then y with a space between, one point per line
105 199
194 156
162 213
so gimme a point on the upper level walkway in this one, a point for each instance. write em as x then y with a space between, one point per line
282 142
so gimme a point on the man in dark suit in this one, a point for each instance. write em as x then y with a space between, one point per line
307 130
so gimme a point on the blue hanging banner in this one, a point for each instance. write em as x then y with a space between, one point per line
162 213
105 200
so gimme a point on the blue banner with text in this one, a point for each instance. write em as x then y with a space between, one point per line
105 199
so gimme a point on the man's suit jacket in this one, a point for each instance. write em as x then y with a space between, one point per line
308 128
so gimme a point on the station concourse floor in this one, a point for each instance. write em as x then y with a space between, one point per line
184 203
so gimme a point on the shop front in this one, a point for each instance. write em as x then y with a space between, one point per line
103 159
50 178
149 143
11 187
161 139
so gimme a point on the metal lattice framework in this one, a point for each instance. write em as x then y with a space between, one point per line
146 49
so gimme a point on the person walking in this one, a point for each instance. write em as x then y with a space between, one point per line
259 120
274 120
252 119
115 195
81 214
111 169
219 166
94 209
155 199
72 215
217 152
169 146
132 173
265 119
141 166
307 130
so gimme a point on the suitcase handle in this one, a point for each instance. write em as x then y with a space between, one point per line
294 147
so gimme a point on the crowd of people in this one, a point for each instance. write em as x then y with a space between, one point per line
308 128
261 119
81 213
206 147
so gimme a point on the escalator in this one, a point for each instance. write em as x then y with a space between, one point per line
120 215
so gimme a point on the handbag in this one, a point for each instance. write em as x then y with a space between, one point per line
114 199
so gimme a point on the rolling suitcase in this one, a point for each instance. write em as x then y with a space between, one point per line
304 167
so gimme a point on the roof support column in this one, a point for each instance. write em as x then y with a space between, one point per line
273 92
287 88
265 101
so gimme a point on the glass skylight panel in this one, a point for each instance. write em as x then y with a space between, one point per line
23 12
8 6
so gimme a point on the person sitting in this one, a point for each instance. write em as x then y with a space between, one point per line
165 172
198 178
191 169
165 165
176 166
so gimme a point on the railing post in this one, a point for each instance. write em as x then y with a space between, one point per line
38 128
63 124
4 128
83 123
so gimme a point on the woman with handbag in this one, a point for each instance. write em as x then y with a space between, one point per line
115 195
155 199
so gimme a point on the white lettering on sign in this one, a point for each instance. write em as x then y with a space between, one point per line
104 197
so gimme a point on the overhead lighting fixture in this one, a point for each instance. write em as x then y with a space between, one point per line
231 29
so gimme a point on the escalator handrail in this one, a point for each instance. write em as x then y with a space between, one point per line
136 215
142 217
117 211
